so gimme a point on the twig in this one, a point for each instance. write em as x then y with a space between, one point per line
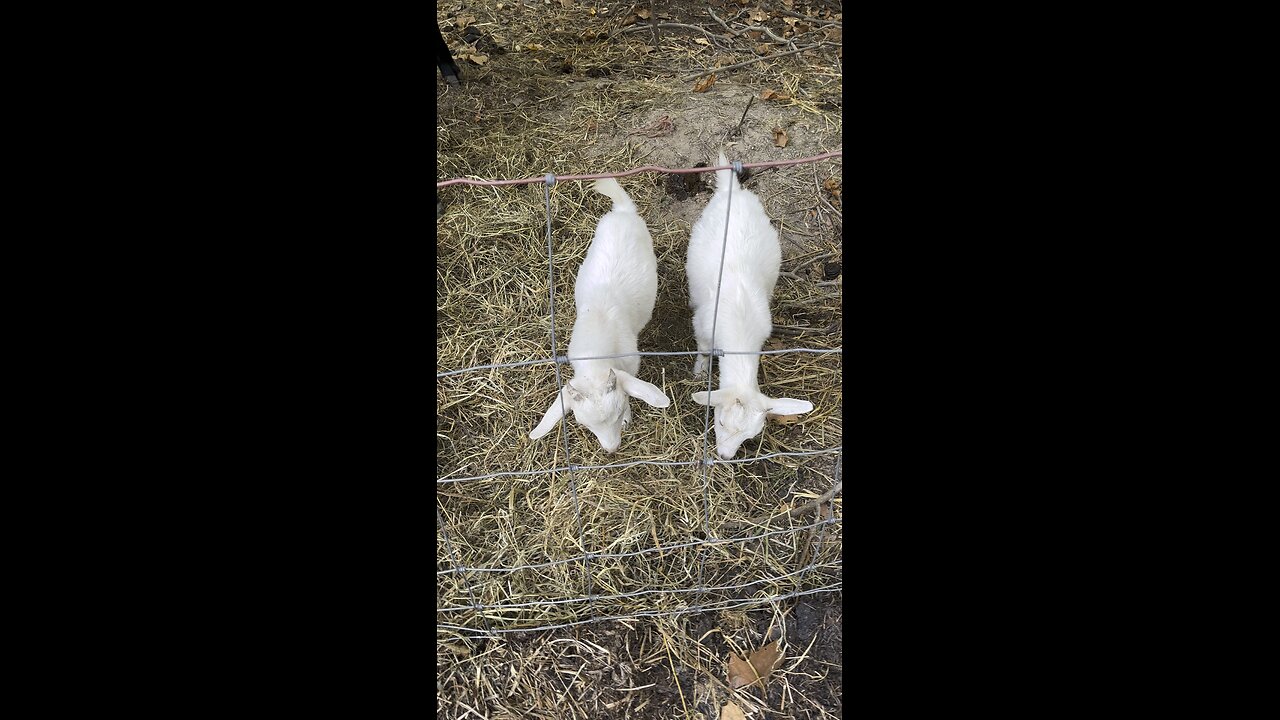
738 129
832 207
708 71
823 256
788 330
829 283
767 519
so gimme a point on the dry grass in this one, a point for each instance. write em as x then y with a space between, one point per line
519 116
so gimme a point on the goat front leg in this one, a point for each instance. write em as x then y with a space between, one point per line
704 354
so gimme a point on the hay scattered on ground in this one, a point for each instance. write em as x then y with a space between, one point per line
519 115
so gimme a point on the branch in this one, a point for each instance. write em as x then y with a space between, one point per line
817 21
760 28
735 33
708 71
704 31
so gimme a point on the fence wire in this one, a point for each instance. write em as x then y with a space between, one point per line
488 612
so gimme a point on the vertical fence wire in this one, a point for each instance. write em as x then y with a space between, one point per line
461 569
711 355
564 420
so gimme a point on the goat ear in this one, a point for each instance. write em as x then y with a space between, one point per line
574 395
789 406
553 416
610 383
714 398
647 392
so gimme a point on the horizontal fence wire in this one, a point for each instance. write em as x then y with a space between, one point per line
658 463
709 607
485 611
562 360
646 551
638 593
647 168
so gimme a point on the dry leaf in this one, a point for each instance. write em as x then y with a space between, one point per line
702 41
705 83
788 4
478 59
462 21
629 20
766 659
779 137
731 712
790 20
784 419
834 34
644 13
661 126
462 650
741 673
755 34
533 46
767 94
763 661
803 27
762 49
758 16
645 49
833 186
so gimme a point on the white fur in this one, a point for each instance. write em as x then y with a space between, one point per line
752 258
615 292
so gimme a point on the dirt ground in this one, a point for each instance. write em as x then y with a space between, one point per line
575 87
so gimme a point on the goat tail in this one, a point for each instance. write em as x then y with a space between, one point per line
724 177
611 188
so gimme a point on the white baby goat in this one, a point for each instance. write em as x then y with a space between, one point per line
615 293
751 261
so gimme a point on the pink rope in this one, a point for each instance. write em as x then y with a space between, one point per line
646 168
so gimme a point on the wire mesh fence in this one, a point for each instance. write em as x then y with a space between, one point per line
674 577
